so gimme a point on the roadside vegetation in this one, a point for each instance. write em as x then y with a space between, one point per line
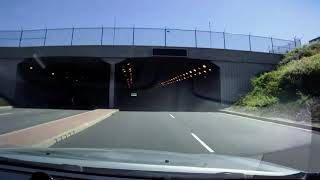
3 102
292 88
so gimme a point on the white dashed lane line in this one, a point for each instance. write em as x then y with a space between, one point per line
202 143
172 116
3 114
198 139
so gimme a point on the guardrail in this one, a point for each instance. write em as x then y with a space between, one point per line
145 37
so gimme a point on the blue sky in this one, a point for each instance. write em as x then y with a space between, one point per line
277 18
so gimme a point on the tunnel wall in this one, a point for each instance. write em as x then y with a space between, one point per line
236 78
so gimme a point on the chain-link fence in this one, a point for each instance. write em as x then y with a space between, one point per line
145 37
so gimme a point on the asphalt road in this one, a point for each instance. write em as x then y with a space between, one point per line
16 118
203 132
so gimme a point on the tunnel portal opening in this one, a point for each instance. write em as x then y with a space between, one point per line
167 84
66 83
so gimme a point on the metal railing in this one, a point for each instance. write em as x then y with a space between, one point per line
145 37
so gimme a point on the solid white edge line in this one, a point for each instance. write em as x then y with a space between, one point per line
171 115
5 114
308 130
202 143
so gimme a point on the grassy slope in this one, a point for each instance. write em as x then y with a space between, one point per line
295 81
3 102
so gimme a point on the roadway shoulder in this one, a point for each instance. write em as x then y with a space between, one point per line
302 126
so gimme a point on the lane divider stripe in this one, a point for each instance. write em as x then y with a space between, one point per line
5 114
172 116
202 143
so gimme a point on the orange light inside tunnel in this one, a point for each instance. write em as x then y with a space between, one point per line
189 74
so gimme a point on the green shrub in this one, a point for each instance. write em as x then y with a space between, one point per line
299 53
3 102
257 100
292 81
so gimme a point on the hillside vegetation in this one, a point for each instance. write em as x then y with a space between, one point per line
3 102
294 83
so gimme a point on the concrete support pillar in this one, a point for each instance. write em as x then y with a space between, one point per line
111 85
112 77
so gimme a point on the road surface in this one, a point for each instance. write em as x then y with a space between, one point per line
16 118
202 132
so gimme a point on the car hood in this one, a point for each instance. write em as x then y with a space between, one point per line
147 160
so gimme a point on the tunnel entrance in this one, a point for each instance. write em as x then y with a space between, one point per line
58 82
167 84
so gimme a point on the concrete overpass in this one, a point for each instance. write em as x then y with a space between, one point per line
102 68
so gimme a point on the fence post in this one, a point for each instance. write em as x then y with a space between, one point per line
272 48
195 37
20 39
133 35
165 36
101 35
45 37
72 36
250 42
114 35
210 39
224 40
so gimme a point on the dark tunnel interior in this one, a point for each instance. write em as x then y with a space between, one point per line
167 84
68 83
140 84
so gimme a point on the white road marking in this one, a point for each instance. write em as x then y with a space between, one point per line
202 143
308 130
171 115
3 114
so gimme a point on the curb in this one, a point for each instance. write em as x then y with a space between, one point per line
65 135
316 129
6 107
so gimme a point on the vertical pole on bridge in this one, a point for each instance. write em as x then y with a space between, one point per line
72 35
272 48
101 35
133 35
45 37
165 36
224 39
20 39
111 85
210 34
250 42
195 37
